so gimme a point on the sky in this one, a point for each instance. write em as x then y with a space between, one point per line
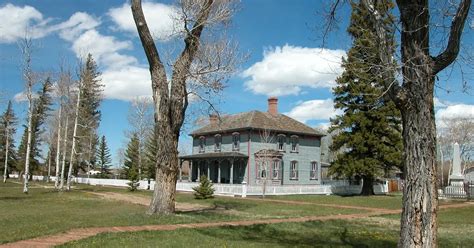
282 38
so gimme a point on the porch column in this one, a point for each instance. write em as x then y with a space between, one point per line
232 171
199 171
190 174
180 170
209 171
219 172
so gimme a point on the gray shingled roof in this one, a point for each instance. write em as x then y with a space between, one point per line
257 120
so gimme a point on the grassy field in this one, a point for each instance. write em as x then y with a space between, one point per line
45 211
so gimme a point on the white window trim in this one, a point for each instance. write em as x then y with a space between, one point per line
277 177
292 171
296 138
236 147
284 142
217 137
202 149
314 172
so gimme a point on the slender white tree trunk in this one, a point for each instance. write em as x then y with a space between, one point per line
6 153
28 144
63 166
49 167
73 146
58 148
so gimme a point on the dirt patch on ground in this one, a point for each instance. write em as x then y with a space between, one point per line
145 201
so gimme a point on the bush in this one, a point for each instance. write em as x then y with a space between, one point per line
204 190
134 181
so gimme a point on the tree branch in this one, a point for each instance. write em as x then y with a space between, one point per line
445 58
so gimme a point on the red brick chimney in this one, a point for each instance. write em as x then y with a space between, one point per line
273 105
213 119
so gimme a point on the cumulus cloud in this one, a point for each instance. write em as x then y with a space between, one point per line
162 19
127 83
456 111
313 110
286 70
20 21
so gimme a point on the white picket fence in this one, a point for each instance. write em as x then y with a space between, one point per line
238 189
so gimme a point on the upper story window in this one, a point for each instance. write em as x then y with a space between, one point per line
276 169
281 140
294 170
217 142
313 175
235 141
202 144
294 143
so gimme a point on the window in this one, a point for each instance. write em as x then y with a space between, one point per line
294 170
281 142
294 143
314 171
217 142
202 144
276 169
235 141
262 171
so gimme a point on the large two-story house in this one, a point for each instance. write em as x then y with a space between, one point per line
255 146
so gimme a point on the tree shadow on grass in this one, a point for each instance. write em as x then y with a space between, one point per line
308 234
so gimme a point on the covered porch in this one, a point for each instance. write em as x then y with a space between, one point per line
219 167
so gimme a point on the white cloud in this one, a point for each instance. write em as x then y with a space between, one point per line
75 25
162 19
456 111
286 70
313 110
16 22
127 83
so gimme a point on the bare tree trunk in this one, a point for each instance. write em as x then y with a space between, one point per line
49 167
63 166
58 148
5 171
73 146
28 144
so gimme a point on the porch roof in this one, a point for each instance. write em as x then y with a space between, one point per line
214 155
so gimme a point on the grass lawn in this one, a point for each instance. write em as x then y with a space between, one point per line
456 228
44 211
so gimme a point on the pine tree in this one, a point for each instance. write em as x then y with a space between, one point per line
131 162
205 189
89 113
41 107
7 146
370 127
103 158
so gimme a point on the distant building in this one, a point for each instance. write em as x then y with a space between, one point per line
253 146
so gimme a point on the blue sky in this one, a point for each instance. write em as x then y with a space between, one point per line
282 38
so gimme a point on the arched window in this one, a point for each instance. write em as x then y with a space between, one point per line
294 143
314 171
202 144
281 140
294 170
235 141
217 142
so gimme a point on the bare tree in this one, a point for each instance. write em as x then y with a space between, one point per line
414 98
26 50
265 158
193 65
63 163
74 137
140 118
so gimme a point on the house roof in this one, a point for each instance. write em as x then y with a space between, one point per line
257 120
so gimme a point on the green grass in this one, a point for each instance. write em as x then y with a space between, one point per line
378 201
44 211
456 228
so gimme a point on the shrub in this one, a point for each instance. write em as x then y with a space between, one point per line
204 190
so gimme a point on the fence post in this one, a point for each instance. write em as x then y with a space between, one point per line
244 189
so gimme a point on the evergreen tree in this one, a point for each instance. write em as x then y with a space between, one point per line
103 158
205 189
369 130
41 107
89 113
131 162
7 131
